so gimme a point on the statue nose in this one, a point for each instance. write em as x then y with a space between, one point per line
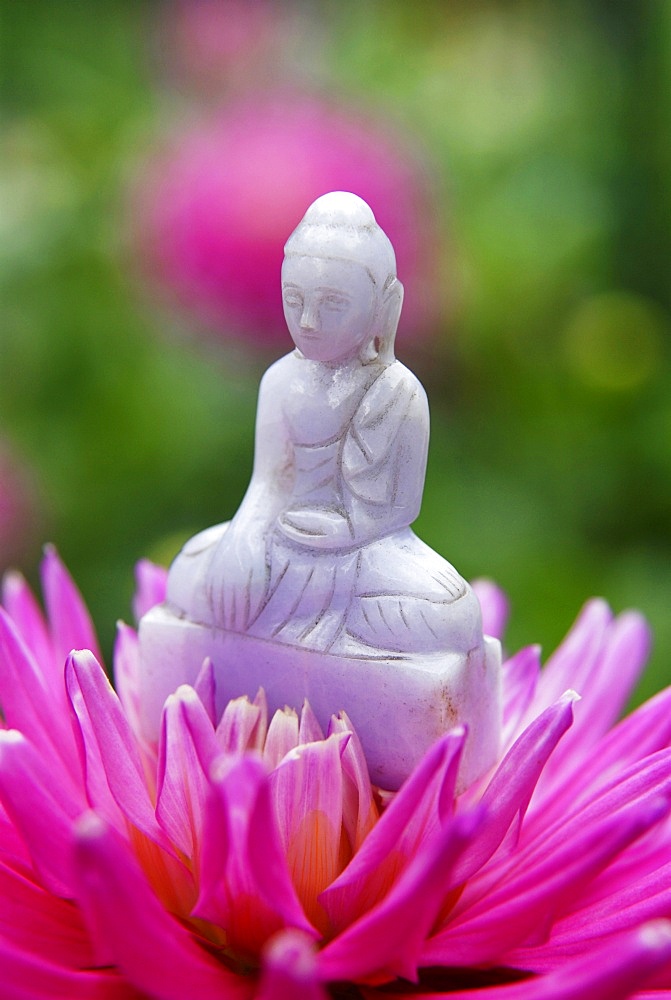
309 315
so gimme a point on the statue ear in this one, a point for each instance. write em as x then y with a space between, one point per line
392 301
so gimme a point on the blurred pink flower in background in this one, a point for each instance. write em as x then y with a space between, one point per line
213 43
213 211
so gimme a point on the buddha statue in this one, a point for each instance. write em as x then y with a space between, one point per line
320 558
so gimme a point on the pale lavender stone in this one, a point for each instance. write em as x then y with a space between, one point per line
318 587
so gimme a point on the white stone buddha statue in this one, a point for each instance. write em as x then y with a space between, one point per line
320 557
320 552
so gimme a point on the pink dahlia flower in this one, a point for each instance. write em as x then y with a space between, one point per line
213 212
250 857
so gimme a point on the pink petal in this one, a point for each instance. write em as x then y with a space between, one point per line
639 735
386 942
360 812
268 861
628 906
151 584
187 748
551 872
613 972
520 677
39 806
290 969
511 788
494 606
612 672
309 730
398 836
114 773
205 687
625 653
37 922
69 621
127 922
570 665
307 789
282 736
27 976
244 880
25 612
243 725
33 705
126 673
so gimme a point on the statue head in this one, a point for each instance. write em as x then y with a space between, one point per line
340 291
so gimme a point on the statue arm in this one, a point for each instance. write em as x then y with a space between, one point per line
272 474
384 458
382 469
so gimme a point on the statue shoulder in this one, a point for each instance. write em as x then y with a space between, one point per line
279 373
390 430
394 393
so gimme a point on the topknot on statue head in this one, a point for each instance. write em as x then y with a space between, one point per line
341 226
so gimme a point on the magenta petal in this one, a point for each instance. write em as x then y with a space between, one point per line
27 976
359 809
494 606
387 940
35 921
397 836
309 779
630 904
205 687
309 730
625 653
22 607
512 786
244 881
186 750
151 584
551 872
41 809
616 971
639 735
242 725
520 676
570 665
69 621
114 772
282 736
152 949
126 673
605 689
269 863
31 703
290 969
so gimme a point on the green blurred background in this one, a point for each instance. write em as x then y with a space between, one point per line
546 132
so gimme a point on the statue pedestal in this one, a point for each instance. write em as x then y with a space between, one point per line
398 705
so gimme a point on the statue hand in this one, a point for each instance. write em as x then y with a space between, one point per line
322 528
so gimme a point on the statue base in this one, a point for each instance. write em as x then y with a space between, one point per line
398 705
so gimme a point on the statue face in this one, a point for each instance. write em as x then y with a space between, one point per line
329 306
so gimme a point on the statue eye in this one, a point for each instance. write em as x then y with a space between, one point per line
293 299
336 303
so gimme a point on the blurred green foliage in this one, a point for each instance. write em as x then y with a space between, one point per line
548 129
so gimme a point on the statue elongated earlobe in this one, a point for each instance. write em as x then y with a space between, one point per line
392 302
